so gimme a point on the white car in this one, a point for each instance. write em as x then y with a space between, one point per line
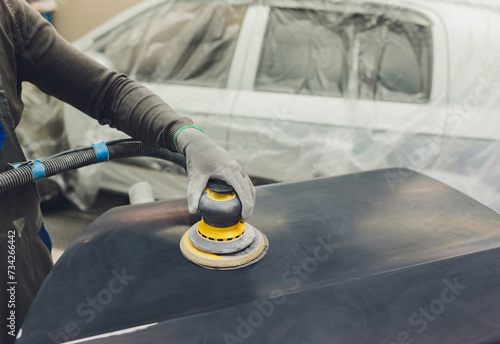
300 89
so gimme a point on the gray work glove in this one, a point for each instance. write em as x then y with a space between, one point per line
206 160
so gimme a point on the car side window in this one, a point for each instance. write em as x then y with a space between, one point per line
188 43
303 52
395 60
352 51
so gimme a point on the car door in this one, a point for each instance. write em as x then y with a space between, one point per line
333 88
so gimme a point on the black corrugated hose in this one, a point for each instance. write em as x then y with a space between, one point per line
29 171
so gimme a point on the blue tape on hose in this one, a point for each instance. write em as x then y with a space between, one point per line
16 165
101 151
38 170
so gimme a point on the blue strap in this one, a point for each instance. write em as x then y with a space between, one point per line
17 164
101 151
44 235
38 170
3 135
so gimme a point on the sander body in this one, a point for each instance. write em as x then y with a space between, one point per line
221 241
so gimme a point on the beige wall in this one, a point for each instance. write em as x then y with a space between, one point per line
74 18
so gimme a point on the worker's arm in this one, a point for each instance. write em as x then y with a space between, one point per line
56 67
48 61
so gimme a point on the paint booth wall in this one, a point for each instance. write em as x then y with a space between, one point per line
75 18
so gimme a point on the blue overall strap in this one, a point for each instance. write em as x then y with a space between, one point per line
38 170
44 235
3 135
101 151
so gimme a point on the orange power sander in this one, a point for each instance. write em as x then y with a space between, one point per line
220 241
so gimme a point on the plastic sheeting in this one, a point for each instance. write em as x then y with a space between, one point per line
393 53
190 42
316 88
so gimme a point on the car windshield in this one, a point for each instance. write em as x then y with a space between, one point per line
187 43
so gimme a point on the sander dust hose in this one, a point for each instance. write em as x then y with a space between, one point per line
31 171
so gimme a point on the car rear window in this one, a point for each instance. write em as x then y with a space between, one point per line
358 51
188 43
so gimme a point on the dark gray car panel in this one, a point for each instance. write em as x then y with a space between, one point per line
388 256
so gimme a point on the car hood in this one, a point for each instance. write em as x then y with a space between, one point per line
376 257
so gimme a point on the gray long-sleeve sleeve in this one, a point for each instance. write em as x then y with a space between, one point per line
44 58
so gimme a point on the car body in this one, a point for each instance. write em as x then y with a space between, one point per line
351 259
299 89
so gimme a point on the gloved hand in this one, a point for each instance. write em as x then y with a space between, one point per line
206 160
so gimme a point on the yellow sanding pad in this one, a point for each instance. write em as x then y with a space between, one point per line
231 261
